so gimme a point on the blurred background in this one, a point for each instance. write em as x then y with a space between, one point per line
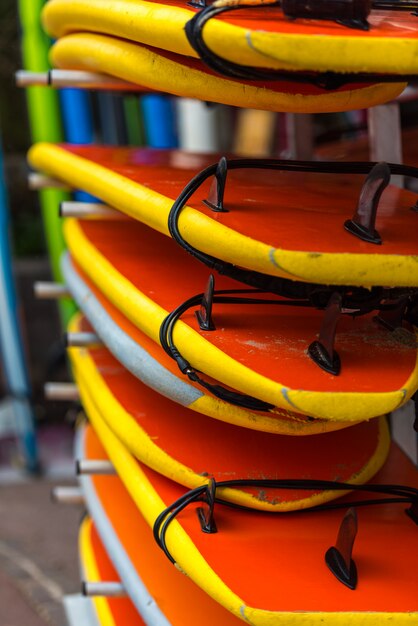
38 556
39 319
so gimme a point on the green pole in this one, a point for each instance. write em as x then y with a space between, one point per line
45 125
134 124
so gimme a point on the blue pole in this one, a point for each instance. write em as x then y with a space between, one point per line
13 359
159 121
77 120
76 116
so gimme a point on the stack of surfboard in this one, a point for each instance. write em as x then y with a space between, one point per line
244 327
297 65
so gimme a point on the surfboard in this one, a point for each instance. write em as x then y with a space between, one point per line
190 448
145 573
97 567
257 231
255 37
269 569
258 350
145 360
161 70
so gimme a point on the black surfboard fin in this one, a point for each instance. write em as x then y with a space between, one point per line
352 14
206 514
359 24
392 318
215 199
339 557
362 224
415 399
204 315
322 350
412 512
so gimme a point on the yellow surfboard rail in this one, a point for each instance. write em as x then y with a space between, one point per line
91 572
162 26
152 208
277 421
148 316
146 68
191 562
96 394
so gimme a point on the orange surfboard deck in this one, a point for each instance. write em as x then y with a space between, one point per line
97 567
257 350
190 448
274 565
100 311
258 230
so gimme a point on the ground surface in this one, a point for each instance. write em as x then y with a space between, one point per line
38 540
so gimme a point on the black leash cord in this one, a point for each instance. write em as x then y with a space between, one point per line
230 297
167 343
326 80
398 5
401 494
